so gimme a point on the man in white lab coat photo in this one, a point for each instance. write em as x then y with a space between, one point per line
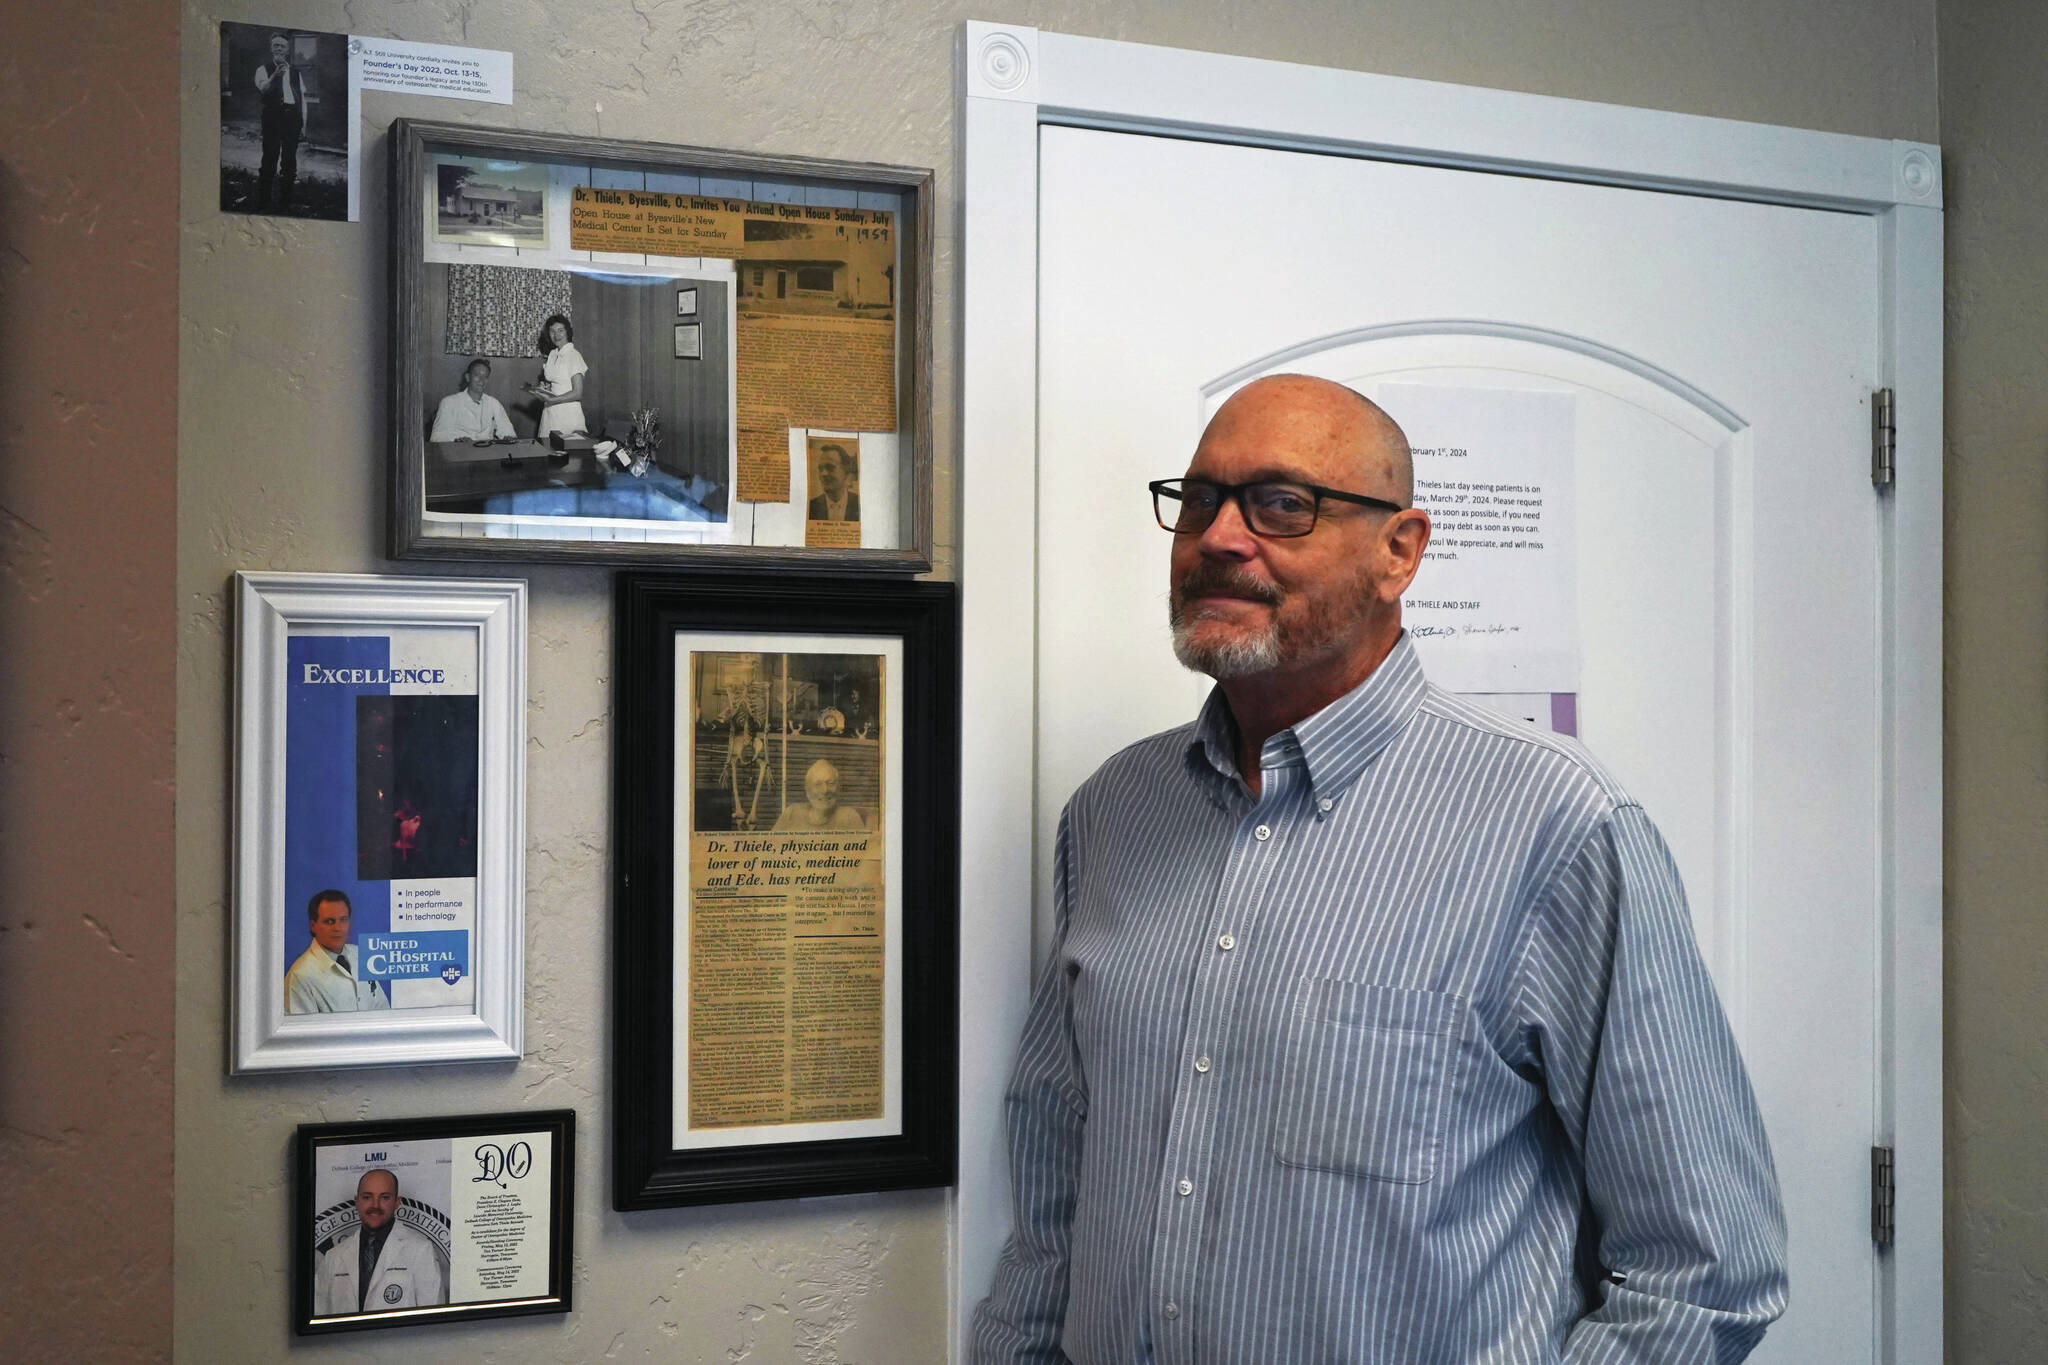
380 1264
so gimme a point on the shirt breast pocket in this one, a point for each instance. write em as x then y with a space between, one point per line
1365 1078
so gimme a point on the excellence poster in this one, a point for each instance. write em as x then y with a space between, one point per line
381 766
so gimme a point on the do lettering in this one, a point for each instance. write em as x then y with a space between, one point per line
498 1162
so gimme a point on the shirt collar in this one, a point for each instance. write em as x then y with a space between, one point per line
1336 743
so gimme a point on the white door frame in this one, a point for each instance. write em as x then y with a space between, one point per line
1014 80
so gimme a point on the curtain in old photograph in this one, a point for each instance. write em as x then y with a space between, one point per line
497 310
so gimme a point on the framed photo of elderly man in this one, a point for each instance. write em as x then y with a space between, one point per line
380 779
550 403
785 780
405 1221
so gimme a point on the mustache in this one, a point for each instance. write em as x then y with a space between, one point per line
1211 577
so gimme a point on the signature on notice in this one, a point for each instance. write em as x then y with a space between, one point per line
1422 632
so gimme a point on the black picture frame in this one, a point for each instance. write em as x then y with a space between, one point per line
325 1153
658 618
437 489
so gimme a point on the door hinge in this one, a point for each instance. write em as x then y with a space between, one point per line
1883 1195
1884 438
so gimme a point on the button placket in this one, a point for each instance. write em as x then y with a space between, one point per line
1237 907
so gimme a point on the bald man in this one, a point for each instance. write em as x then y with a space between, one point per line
1374 1030
820 808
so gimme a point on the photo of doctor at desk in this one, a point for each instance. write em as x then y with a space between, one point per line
470 414
554 393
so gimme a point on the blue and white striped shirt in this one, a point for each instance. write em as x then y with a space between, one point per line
1409 1059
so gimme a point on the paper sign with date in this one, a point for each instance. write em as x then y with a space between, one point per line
1495 605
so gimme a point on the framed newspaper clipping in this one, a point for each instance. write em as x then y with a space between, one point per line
627 352
784 855
380 809
399 1222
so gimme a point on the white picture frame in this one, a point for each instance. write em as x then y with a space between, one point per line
431 923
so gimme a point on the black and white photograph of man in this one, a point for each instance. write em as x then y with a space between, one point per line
785 742
835 472
470 414
820 808
832 515
283 122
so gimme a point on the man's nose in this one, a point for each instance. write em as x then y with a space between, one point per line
1228 536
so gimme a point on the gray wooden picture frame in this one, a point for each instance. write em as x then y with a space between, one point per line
414 535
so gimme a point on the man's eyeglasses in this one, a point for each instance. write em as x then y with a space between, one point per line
1270 507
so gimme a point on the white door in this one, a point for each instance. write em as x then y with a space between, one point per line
1721 357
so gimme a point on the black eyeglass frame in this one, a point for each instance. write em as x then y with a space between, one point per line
1171 488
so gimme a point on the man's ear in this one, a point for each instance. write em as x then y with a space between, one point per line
1404 537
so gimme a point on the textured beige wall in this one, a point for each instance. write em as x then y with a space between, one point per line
282 381
1994 120
88 292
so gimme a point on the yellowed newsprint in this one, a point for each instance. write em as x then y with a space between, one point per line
816 342
639 221
820 370
788 909
764 463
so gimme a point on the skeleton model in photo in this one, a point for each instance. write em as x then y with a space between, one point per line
746 750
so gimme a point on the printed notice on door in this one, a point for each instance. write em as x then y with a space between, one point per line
783 1013
1495 605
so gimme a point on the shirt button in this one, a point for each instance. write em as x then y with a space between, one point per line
1202 1065
1226 942
1324 805
1263 833
1171 1309
1185 1187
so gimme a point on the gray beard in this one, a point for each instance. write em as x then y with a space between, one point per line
1238 658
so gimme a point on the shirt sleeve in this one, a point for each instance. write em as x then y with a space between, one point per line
1046 1107
1642 1070
573 363
501 425
444 422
